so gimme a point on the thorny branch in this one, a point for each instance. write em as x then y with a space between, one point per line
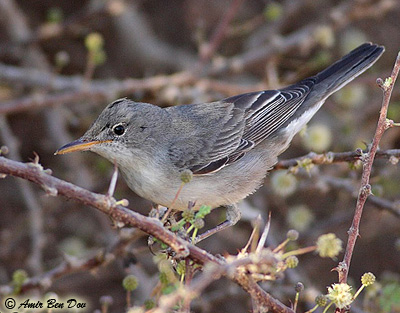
53 186
348 185
365 189
208 49
336 157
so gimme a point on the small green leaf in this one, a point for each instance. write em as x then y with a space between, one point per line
203 211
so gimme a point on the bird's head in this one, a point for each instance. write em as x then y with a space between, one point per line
122 128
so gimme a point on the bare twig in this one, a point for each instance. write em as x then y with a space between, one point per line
381 203
365 189
335 157
78 90
143 46
208 49
340 16
32 204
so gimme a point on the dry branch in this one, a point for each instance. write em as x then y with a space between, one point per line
348 185
368 159
335 157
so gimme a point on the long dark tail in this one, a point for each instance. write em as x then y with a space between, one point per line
346 69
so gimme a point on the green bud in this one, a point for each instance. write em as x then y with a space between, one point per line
19 277
198 223
130 283
292 235
368 279
94 42
188 215
273 11
292 261
186 176
321 300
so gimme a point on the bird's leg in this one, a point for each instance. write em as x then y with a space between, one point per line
233 215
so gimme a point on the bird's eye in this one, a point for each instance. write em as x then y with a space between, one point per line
118 129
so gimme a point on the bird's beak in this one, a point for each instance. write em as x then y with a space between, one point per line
79 145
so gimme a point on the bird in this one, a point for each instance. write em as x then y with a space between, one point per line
227 146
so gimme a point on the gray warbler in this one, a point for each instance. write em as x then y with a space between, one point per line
228 145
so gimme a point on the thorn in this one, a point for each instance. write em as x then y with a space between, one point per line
264 235
113 181
36 159
256 227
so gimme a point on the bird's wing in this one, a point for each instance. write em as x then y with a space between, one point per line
205 135
242 122
272 109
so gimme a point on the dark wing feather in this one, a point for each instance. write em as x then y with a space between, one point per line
268 114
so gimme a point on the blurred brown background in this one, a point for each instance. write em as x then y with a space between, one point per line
52 86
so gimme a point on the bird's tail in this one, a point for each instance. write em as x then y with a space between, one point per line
346 69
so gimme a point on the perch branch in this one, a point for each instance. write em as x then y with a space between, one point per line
335 157
368 159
